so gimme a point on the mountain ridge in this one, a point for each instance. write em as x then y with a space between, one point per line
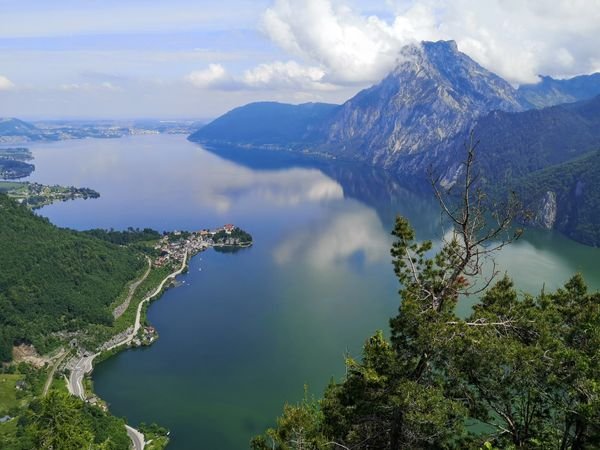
433 94
550 91
408 121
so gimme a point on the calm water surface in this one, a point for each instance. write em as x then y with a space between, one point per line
246 331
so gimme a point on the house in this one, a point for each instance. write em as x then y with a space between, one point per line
228 228
5 419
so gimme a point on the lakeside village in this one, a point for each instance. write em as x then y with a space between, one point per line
173 247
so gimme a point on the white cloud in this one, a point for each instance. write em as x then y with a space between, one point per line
276 75
5 84
286 75
350 47
214 75
517 39
102 86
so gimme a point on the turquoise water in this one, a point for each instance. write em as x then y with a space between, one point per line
247 330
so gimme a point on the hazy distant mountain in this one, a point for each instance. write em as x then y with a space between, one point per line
15 130
266 124
434 93
549 92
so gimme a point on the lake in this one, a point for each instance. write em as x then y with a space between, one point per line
246 331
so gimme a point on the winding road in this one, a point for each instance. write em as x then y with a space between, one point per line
136 437
85 364
120 309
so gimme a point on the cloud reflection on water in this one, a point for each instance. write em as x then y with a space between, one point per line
335 238
282 188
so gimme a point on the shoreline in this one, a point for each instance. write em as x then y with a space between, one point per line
85 365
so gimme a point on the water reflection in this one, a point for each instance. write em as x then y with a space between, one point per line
336 238
386 193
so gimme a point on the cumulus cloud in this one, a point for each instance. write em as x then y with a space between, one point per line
214 75
276 75
5 84
286 75
517 39
349 47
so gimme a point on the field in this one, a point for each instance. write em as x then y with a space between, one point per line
8 393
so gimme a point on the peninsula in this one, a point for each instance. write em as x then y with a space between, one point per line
36 195
13 163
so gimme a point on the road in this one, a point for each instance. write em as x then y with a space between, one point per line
119 310
59 359
137 438
138 314
85 366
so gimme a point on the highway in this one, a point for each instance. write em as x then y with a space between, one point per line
83 366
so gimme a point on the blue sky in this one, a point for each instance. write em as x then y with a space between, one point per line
198 58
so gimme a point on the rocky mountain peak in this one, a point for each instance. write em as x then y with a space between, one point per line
434 93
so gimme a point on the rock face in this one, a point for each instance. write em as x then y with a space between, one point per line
546 215
434 93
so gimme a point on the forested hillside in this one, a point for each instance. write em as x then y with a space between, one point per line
571 193
517 144
266 124
54 279
538 153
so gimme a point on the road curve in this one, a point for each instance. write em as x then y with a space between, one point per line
83 366
137 438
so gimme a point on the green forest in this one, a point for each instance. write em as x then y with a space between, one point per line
54 279
125 237
62 421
